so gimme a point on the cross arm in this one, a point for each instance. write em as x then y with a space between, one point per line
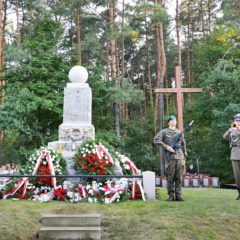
165 90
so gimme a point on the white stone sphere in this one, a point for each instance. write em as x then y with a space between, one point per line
78 74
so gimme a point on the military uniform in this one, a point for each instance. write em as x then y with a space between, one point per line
173 161
233 135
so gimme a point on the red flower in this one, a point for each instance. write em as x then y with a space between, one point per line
61 198
90 161
92 164
60 191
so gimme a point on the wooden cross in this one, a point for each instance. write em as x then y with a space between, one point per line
179 91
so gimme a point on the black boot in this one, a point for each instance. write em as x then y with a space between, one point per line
170 197
238 198
179 197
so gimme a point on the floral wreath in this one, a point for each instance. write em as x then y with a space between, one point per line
44 161
57 160
93 159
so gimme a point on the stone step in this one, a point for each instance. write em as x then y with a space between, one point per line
68 233
89 220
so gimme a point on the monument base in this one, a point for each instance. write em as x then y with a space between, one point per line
76 132
65 146
68 150
71 136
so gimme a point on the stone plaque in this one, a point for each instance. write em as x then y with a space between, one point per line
77 105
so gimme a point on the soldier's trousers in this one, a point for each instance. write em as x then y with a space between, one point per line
236 171
174 175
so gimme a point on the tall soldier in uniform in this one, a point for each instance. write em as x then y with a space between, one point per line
173 158
233 135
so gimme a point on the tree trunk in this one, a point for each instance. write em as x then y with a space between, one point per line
126 114
122 43
145 99
18 39
112 42
108 64
209 16
167 96
113 65
3 16
125 105
161 70
202 17
188 45
149 77
3 10
79 57
178 34
2 27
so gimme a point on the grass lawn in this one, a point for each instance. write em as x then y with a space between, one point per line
206 214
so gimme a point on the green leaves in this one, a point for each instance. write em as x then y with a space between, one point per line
154 12
126 93
33 104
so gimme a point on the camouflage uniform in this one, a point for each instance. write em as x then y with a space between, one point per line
173 161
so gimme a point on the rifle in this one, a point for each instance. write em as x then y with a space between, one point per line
175 142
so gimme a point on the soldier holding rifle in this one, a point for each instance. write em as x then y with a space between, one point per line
174 152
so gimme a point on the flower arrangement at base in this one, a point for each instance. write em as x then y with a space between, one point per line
45 161
107 192
18 189
60 194
90 159
43 194
4 183
93 159
114 191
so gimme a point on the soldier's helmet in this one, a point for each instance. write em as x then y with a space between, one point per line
237 117
171 117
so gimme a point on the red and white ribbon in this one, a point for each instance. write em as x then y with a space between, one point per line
101 150
115 191
139 182
22 182
5 181
132 166
130 163
114 197
134 189
82 191
46 154
51 169
39 160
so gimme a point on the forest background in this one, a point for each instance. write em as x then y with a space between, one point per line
130 48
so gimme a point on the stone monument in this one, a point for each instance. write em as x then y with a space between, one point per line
77 116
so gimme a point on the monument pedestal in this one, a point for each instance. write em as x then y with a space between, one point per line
68 150
77 117
76 132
